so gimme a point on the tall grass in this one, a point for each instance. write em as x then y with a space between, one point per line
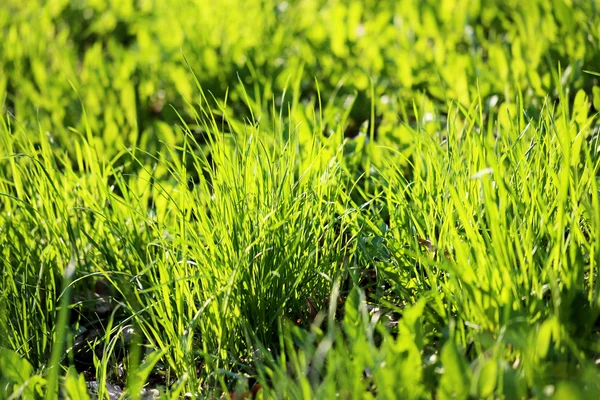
420 221
481 236
195 257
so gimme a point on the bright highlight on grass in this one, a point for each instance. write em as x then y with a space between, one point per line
405 205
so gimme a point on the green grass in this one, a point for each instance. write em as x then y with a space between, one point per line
320 199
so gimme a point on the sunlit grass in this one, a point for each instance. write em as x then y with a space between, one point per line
420 221
482 259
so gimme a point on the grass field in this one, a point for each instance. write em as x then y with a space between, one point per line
301 199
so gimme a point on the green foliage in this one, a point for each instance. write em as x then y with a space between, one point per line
308 199
16 376
74 386
124 59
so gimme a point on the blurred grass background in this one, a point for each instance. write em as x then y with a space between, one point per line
123 60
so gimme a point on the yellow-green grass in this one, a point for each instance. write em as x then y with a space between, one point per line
353 199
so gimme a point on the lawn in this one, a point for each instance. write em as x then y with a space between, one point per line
299 199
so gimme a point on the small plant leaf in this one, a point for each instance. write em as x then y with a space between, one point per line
352 314
455 381
596 97
141 374
75 388
17 371
13 367
487 379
